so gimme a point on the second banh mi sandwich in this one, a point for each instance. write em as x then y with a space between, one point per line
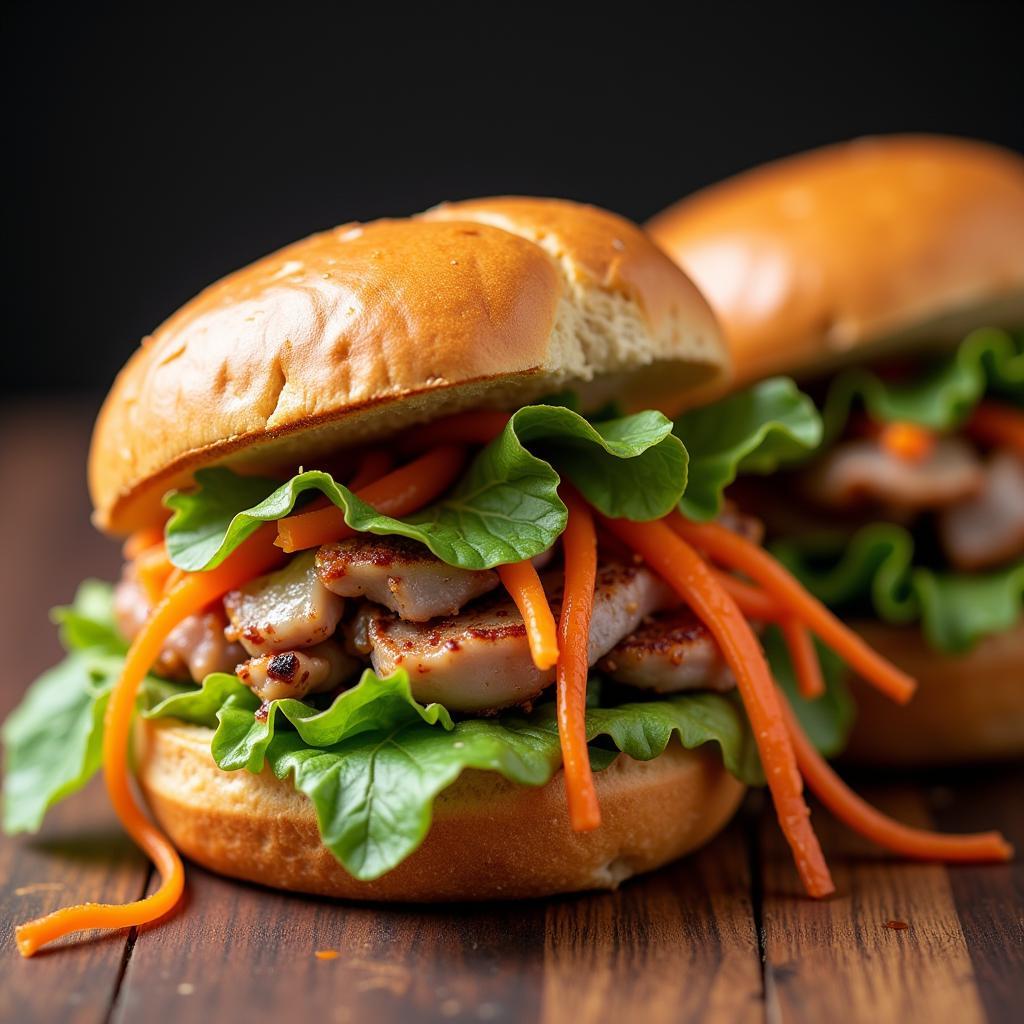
887 275
412 609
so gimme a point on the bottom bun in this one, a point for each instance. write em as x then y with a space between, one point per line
490 838
967 707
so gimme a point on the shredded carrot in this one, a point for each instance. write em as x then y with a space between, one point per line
752 601
687 573
191 595
907 441
731 550
480 427
141 540
998 424
176 576
762 607
579 542
400 492
372 466
860 816
524 587
804 658
152 569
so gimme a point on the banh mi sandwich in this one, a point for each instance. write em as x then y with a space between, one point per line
411 608
887 274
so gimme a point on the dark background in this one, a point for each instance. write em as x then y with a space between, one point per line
149 155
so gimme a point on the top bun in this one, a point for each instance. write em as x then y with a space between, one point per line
358 332
880 243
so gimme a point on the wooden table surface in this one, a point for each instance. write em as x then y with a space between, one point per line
722 936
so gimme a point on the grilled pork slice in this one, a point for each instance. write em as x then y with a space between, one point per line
315 669
864 472
400 574
480 660
194 648
283 610
670 652
988 529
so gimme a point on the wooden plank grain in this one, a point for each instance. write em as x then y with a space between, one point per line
678 945
237 952
888 947
80 854
989 899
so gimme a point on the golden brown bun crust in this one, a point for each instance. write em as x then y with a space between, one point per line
878 242
359 331
967 708
490 839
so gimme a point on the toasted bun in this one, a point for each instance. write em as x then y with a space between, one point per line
867 246
490 839
967 708
359 331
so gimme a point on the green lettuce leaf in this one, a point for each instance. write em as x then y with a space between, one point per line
53 739
873 571
753 431
505 508
88 622
241 739
943 396
828 719
375 760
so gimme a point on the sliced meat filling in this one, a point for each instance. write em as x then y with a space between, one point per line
316 669
864 472
400 574
988 529
480 660
283 610
195 648
670 652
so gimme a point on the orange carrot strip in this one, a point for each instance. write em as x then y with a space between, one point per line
153 568
732 550
907 441
579 542
687 573
176 576
405 490
524 587
191 595
480 427
372 466
860 816
804 658
752 601
998 424
141 540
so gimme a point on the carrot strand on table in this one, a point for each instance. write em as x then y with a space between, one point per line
804 658
197 590
851 810
579 543
686 572
735 552
404 490
524 587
